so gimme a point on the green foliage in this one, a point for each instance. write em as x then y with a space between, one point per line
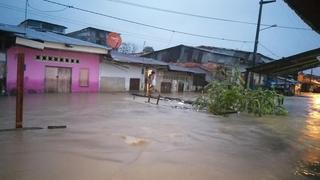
230 96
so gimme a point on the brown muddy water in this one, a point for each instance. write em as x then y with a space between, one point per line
116 136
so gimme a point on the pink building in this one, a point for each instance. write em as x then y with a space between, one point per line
53 62
48 70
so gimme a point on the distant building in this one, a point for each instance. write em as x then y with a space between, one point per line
90 34
309 83
43 26
207 56
213 59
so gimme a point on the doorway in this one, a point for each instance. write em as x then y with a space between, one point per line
180 87
134 84
165 87
58 80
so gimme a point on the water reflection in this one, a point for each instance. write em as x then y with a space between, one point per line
314 112
310 160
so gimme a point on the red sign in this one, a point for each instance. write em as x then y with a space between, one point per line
114 40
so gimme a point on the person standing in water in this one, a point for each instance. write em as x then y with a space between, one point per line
151 82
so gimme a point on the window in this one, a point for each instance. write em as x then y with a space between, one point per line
84 77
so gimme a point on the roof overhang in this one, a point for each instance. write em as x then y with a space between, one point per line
308 10
291 64
51 45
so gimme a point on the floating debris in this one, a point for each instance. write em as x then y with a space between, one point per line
134 140
57 127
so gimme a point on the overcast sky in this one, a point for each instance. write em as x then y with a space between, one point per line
275 42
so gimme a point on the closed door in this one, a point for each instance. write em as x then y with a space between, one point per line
58 80
134 84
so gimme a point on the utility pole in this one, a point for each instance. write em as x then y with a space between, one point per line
256 42
144 44
26 10
25 16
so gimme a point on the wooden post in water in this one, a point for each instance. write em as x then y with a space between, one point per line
20 87
158 99
149 98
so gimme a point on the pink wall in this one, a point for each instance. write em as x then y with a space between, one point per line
35 69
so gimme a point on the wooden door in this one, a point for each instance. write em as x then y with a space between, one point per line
51 80
134 84
57 80
64 80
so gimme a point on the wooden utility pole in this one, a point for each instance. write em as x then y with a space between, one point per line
20 87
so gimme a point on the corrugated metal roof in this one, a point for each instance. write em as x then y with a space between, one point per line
46 36
126 58
194 70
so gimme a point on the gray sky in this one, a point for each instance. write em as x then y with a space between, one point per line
276 42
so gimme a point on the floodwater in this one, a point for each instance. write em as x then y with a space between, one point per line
116 137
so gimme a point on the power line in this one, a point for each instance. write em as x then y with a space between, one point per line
32 7
146 25
84 24
201 16
267 49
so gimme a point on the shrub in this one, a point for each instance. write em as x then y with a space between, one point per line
230 96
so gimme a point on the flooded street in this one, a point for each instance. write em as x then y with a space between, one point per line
117 137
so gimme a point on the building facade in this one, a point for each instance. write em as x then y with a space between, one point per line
54 63
214 60
54 71
118 77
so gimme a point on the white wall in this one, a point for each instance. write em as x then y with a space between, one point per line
109 69
174 78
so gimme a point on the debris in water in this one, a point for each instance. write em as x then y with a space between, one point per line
134 140
57 127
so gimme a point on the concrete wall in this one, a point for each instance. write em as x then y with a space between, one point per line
35 69
174 78
112 84
121 71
